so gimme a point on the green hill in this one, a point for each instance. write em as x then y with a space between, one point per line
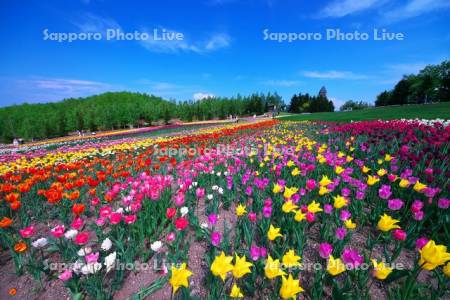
422 111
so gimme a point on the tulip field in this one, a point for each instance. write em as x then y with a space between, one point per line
260 209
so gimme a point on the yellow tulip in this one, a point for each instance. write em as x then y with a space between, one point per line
349 224
179 277
339 202
324 181
432 255
222 265
295 172
419 186
381 172
381 271
290 287
236 292
371 180
323 190
277 188
299 216
335 266
240 210
387 223
289 192
446 269
241 267
272 268
314 207
290 259
338 170
273 233
404 183
288 206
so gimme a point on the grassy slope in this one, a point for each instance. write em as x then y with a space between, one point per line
428 111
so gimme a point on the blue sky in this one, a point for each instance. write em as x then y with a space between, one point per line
223 51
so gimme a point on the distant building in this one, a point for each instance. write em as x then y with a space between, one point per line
323 92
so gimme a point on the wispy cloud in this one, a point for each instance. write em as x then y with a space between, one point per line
333 75
214 42
89 22
407 68
69 87
282 83
415 8
217 41
389 11
48 89
338 8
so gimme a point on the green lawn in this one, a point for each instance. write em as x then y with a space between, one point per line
423 111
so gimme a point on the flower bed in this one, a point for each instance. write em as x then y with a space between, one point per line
286 209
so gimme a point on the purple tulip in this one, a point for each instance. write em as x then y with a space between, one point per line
325 249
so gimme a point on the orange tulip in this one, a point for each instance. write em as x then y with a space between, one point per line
78 208
16 205
12 197
5 222
20 247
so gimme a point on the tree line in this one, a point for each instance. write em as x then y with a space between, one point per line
432 84
304 103
115 110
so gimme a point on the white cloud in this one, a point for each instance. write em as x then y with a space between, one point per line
282 83
200 96
333 75
93 23
214 42
415 8
217 41
337 8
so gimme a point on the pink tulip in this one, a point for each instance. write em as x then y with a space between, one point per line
399 235
416 206
421 242
310 184
340 233
443 203
58 231
77 223
395 204
328 208
200 193
170 237
27 232
212 219
130 219
66 275
215 238
115 218
92 258
81 238
252 216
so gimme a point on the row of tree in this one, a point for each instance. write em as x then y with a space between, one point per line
432 84
304 103
119 110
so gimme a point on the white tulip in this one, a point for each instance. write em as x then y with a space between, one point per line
106 244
